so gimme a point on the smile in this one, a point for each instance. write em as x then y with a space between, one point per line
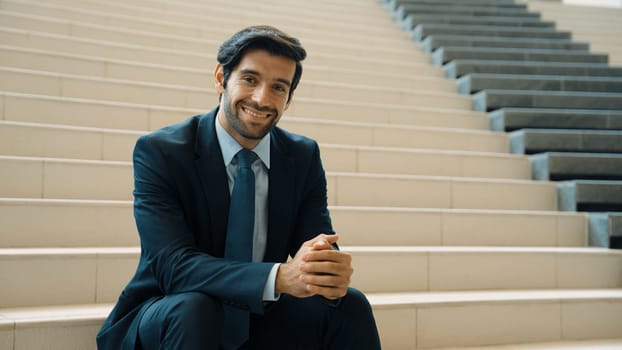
256 114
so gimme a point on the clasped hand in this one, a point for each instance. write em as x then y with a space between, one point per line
317 269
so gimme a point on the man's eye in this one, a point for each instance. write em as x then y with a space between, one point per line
248 79
280 88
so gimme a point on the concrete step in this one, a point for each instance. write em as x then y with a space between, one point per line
215 27
393 5
489 99
322 12
558 166
429 89
135 91
27 177
474 82
423 30
412 20
362 118
432 42
185 44
117 49
52 327
606 344
530 141
66 20
60 62
141 92
99 223
234 19
382 269
460 67
505 318
510 119
97 275
445 320
590 195
464 10
445 54
44 140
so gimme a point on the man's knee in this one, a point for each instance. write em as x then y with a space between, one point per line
356 303
189 320
194 307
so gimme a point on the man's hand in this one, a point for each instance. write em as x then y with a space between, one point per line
317 269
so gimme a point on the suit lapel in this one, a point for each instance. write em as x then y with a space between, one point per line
280 200
213 176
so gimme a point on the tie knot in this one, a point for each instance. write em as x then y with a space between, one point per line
246 158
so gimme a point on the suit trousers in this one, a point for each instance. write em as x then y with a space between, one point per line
194 321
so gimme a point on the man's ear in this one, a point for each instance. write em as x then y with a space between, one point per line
219 76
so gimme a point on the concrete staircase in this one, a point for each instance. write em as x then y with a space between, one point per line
470 253
527 71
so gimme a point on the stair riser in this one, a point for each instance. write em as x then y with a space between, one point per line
28 178
79 334
433 42
67 224
67 279
285 15
458 68
42 41
21 140
105 65
509 120
143 117
474 82
444 55
442 271
54 61
494 99
204 98
207 48
161 36
408 327
99 278
429 326
423 30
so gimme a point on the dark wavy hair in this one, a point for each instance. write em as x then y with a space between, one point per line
265 38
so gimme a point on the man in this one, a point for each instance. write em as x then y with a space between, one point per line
214 271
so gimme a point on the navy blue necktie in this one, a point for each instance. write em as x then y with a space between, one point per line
239 242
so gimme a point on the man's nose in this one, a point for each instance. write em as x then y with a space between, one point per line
261 95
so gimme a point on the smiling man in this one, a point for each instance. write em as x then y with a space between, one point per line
237 246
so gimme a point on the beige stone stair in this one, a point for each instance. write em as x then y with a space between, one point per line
453 243
47 140
97 275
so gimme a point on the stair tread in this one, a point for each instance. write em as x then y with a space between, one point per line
113 251
435 298
99 311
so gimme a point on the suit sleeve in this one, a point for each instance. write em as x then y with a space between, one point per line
313 216
168 245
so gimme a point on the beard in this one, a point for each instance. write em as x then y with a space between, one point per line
246 129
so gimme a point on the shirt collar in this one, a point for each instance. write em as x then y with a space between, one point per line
230 147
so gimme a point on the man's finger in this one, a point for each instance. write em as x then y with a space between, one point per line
327 255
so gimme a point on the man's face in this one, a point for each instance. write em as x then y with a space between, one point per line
256 95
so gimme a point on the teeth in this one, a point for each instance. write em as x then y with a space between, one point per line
254 114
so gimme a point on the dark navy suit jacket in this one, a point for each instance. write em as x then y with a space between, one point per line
181 204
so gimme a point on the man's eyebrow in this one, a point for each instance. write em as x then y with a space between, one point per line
254 72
